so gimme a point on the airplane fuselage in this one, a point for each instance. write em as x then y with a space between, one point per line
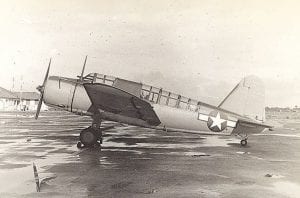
184 115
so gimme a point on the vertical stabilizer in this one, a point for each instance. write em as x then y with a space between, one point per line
247 99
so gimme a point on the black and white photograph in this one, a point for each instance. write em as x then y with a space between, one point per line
150 99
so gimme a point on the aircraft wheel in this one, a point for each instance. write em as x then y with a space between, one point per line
243 142
88 137
79 145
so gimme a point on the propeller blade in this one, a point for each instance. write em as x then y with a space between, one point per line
41 90
38 110
81 76
47 73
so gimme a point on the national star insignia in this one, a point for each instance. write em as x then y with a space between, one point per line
217 121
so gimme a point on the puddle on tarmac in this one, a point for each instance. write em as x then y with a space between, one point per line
45 154
291 129
214 141
123 150
17 131
281 135
21 180
141 158
210 141
109 142
242 152
274 176
196 154
206 141
17 180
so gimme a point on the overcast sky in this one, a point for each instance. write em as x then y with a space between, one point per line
198 48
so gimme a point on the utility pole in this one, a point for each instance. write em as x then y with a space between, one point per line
21 88
13 84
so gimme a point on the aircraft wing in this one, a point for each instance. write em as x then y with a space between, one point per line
118 101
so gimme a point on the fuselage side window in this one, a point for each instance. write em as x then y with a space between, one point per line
145 94
100 78
173 100
183 103
153 97
108 80
164 97
193 105
159 95
154 94
163 100
199 106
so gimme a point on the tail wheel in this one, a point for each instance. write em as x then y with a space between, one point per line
88 137
243 142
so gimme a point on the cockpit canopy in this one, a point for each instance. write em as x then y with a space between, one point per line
146 92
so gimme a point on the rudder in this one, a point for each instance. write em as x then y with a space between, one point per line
247 99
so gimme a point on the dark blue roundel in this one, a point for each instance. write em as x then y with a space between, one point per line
217 121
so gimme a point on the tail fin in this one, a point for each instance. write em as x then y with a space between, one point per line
247 99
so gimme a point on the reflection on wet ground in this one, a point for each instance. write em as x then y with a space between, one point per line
136 162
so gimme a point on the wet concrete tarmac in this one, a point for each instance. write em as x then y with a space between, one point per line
136 162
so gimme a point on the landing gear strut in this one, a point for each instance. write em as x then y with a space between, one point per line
91 136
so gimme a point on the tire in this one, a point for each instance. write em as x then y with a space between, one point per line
243 142
88 137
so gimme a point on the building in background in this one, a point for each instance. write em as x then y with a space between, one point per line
8 101
28 101
21 101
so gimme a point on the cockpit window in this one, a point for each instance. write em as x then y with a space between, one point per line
100 78
164 97
193 105
183 103
146 92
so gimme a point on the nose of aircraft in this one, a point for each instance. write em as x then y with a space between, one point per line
40 88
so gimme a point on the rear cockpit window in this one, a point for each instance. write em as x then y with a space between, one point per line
183 103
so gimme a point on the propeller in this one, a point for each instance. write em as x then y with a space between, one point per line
81 76
40 88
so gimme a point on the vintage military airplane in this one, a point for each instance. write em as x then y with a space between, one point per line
105 97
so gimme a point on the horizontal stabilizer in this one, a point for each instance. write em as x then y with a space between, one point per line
250 123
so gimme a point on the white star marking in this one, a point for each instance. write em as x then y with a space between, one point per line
217 121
